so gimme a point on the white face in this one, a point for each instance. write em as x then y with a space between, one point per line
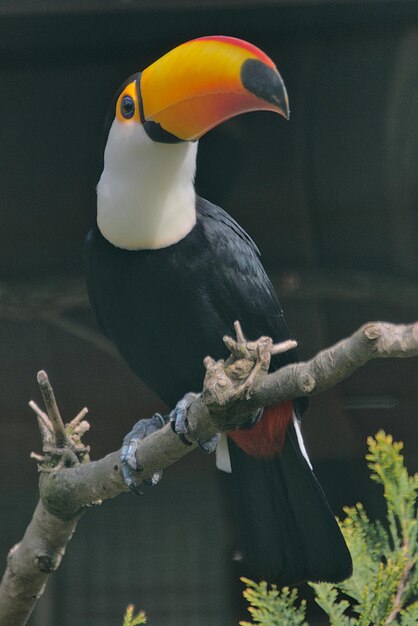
145 196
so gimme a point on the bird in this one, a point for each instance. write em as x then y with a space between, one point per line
168 274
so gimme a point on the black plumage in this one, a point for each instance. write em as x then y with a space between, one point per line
166 310
175 304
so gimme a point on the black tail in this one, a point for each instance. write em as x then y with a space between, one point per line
288 531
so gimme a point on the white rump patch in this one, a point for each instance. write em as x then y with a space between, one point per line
223 461
300 440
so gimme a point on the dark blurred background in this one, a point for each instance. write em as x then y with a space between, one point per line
331 198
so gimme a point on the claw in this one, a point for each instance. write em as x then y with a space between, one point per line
128 461
178 417
210 445
155 479
178 420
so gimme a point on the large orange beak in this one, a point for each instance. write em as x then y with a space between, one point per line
204 82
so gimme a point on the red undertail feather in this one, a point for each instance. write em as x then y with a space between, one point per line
266 438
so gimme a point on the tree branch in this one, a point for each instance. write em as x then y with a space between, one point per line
30 562
227 401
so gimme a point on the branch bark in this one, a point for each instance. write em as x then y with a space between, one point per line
66 492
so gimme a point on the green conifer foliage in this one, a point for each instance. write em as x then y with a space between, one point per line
384 587
133 620
273 606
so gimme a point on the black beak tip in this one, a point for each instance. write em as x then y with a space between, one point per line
265 83
286 110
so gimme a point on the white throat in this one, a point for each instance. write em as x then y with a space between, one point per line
145 196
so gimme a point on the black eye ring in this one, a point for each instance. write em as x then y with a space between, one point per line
127 107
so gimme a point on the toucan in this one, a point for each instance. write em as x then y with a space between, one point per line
168 274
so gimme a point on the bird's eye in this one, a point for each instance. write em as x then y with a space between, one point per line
127 107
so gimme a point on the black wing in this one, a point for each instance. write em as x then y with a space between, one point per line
240 286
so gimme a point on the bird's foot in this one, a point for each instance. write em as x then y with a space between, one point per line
178 421
129 464
210 445
178 417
